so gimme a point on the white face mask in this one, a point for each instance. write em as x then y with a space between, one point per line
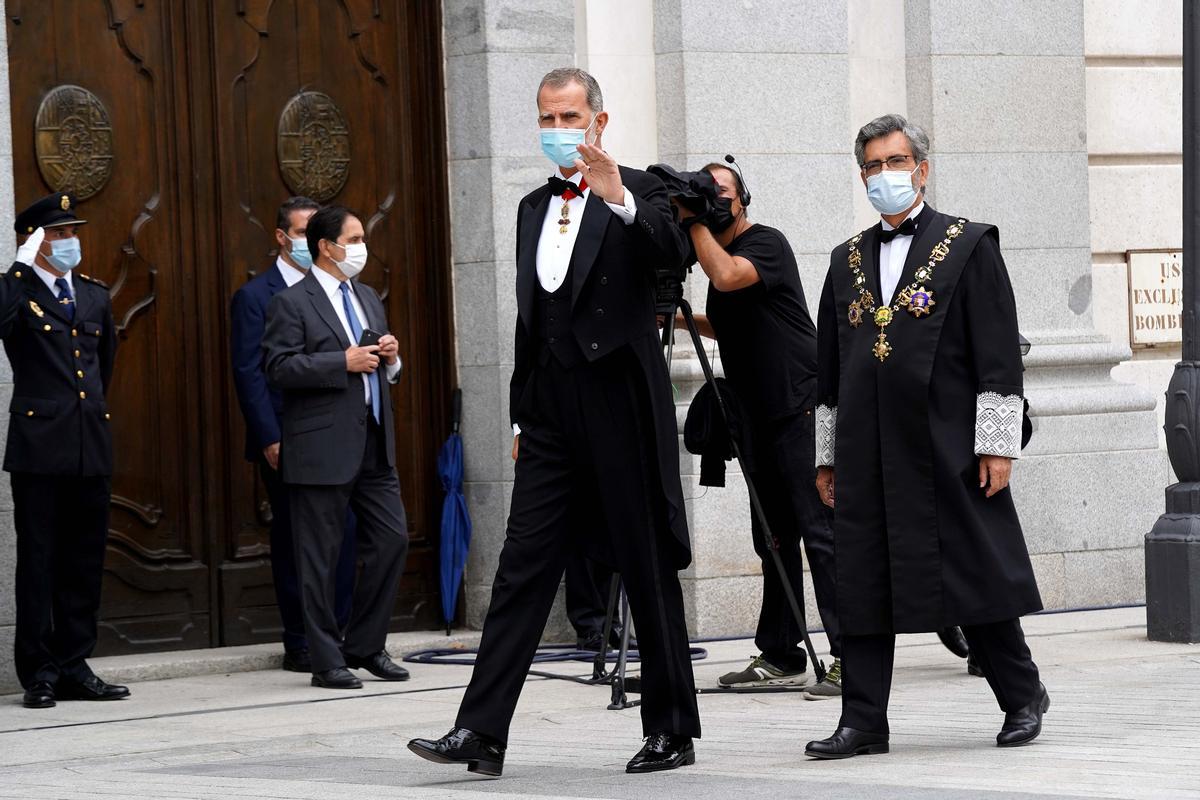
356 258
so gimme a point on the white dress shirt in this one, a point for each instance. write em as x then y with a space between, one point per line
49 278
332 287
892 256
291 275
554 248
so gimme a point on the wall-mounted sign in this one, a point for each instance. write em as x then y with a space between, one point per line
1155 297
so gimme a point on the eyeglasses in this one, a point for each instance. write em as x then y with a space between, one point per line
891 163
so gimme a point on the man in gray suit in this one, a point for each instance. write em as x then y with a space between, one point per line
325 351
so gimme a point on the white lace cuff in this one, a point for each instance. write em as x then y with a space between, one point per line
826 430
998 424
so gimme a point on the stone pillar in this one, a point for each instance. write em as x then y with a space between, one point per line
8 246
1000 88
768 83
496 52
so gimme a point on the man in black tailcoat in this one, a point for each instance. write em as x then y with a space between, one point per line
591 403
920 392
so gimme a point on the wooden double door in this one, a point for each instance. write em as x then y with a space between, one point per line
182 125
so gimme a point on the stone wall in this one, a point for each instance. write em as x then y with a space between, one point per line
1134 58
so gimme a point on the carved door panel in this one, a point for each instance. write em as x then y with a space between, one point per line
157 583
332 100
213 112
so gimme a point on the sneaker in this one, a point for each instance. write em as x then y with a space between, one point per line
830 687
762 673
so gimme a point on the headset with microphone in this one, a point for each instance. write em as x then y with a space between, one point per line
736 169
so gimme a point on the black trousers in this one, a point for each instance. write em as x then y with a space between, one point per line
586 437
588 585
785 477
867 661
62 526
283 563
319 520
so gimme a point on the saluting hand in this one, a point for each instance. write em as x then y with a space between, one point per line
362 359
600 169
994 473
27 252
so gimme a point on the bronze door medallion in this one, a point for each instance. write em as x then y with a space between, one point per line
314 146
73 140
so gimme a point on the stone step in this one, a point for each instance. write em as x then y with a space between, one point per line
141 667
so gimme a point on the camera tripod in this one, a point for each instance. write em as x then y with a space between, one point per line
617 677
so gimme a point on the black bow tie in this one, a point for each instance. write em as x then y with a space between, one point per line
907 228
558 186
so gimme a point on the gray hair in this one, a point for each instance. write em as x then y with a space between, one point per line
558 78
918 140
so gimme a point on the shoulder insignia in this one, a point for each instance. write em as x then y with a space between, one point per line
96 281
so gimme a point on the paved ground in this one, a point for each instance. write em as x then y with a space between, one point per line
1125 722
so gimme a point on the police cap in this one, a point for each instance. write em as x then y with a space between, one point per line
52 211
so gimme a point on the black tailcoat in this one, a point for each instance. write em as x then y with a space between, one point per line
612 306
918 546
58 419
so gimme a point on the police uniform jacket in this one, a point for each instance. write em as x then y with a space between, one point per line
58 419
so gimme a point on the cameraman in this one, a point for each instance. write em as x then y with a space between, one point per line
757 313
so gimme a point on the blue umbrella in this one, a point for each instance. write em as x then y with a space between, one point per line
456 521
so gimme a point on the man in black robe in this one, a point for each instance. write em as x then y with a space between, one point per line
920 391
591 403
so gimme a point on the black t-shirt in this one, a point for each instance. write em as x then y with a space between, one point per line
767 339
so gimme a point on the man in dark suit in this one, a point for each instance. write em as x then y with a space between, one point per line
337 449
591 403
59 335
261 408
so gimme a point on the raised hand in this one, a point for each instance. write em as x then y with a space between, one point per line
600 169
27 252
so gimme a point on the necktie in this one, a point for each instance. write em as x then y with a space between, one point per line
65 297
568 190
907 228
356 328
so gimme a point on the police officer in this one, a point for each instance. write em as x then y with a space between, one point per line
58 332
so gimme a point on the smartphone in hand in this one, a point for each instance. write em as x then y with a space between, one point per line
369 338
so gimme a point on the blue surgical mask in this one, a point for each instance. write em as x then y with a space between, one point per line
65 254
891 191
299 253
561 145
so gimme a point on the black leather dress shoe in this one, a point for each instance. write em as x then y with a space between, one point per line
297 661
337 678
90 689
847 742
40 694
380 665
482 755
955 641
593 642
663 751
1023 726
973 667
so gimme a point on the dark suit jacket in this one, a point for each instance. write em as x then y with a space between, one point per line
324 417
59 421
612 306
261 404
